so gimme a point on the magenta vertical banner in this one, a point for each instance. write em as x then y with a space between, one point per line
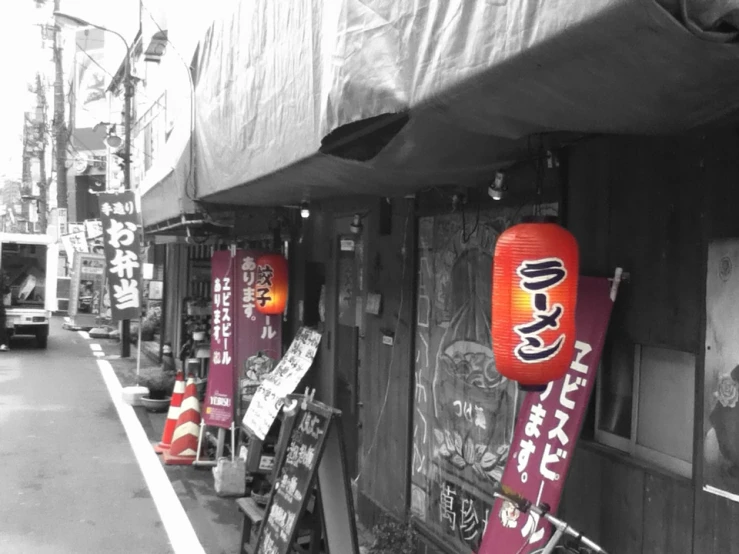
219 394
547 429
256 332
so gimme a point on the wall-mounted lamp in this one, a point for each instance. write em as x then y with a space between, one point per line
497 189
304 210
113 140
356 224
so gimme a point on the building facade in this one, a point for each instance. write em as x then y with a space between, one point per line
367 153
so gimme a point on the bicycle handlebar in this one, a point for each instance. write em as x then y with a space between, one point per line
524 505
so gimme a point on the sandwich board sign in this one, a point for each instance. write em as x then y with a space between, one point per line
310 453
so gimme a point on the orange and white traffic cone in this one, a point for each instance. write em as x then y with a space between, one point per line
184 448
173 414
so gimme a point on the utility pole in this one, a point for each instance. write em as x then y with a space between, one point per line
61 134
127 101
41 130
26 184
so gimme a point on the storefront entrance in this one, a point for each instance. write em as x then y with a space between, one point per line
349 309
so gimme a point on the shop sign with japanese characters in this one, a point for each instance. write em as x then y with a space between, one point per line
257 332
219 395
74 242
547 430
94 235
122 239
86 286
281 381
293 481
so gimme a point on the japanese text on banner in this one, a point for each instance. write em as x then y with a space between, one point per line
219 394
547 430
122 246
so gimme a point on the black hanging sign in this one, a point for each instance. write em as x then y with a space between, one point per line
311 445
122 245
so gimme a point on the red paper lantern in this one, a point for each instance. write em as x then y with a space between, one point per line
535 274
270 288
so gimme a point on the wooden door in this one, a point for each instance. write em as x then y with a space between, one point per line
349 304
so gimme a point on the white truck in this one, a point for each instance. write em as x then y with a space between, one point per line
29 265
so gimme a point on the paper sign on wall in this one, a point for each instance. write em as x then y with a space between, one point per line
281 381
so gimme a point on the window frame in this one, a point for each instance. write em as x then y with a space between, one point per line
630 446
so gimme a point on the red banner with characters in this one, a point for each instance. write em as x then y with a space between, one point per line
547 429
259 336
219 395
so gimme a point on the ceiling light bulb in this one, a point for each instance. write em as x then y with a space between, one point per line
356 225
304 210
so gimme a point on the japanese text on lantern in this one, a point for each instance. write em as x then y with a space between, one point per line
222 324
554 434
121 231
249 276
537 277
265 277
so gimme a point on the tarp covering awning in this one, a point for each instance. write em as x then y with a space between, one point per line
170 194
168 186
475 78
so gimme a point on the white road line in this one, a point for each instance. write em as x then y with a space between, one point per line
95 346
84 334
98 354
179 529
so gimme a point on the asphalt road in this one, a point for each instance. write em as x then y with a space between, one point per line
69 480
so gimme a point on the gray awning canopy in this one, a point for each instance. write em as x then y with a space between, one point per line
475 81
172 196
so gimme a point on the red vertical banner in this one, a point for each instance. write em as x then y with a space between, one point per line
219 395
547 429
257 334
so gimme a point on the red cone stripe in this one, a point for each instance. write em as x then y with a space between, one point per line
184 446
172 414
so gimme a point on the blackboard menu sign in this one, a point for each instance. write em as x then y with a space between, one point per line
294 476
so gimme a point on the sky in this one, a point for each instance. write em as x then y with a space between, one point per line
21 54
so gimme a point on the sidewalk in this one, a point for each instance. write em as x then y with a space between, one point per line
216 520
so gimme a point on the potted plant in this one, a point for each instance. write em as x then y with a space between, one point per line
393 537
150 323
197 328
160 383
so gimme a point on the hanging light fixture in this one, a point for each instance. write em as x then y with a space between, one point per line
304 210
496 189
356 224
535 276
271 287
113 140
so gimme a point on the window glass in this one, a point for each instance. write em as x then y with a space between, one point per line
666 396
617 388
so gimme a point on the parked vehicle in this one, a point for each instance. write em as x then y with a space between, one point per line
29 263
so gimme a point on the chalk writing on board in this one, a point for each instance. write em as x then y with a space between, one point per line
293 482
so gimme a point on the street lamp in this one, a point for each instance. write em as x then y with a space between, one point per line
72 21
